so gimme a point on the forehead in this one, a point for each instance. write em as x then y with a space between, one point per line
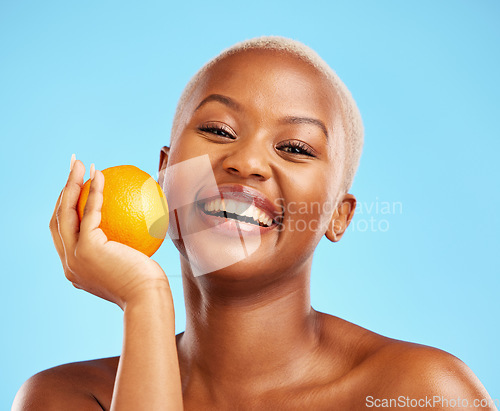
274 81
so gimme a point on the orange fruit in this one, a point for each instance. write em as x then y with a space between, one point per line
134 209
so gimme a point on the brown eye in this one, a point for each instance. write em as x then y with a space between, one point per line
296 147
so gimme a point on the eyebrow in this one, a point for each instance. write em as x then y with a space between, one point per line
221 99
306 120
286 120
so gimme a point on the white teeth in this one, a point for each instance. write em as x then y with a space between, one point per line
248 211
255 213
240 208
212 205
263 219
231 206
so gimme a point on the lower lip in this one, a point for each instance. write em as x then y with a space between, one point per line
231 227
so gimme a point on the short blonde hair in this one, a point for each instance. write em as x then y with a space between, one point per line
351 117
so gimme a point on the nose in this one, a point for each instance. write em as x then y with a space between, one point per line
248 160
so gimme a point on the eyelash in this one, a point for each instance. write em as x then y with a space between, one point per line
301 147
217 130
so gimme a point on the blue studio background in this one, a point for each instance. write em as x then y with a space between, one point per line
101 79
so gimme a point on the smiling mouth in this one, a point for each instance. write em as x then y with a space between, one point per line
237 210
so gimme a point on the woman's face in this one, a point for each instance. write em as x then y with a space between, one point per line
270 127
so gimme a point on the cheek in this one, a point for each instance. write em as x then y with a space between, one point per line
180 149
190 144
308 203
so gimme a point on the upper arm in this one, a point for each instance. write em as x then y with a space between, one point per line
53 390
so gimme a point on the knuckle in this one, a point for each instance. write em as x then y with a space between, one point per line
95 196
92 189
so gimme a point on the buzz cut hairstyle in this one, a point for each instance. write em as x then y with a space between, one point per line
351 117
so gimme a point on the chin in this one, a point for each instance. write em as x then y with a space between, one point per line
216 248
207 254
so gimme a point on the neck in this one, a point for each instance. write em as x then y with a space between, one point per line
240 334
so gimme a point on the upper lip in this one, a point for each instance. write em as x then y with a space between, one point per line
242 193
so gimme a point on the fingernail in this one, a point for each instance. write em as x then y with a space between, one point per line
92 171
73 159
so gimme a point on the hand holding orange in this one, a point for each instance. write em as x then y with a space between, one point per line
134 209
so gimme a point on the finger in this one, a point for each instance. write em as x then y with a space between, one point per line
66 215
58 203
53 225
92 212
54 229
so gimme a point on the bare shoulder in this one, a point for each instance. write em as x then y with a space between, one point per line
80 385
379 368
417 371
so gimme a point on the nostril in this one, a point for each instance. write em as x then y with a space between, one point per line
233 170
246 169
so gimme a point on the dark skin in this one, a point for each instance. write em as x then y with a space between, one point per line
252 340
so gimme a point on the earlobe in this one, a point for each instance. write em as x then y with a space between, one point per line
341 218
333 228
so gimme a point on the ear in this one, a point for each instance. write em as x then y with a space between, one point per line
163 163
341 218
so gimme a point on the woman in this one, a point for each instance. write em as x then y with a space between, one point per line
279 131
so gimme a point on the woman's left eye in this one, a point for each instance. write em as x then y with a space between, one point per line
296 147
